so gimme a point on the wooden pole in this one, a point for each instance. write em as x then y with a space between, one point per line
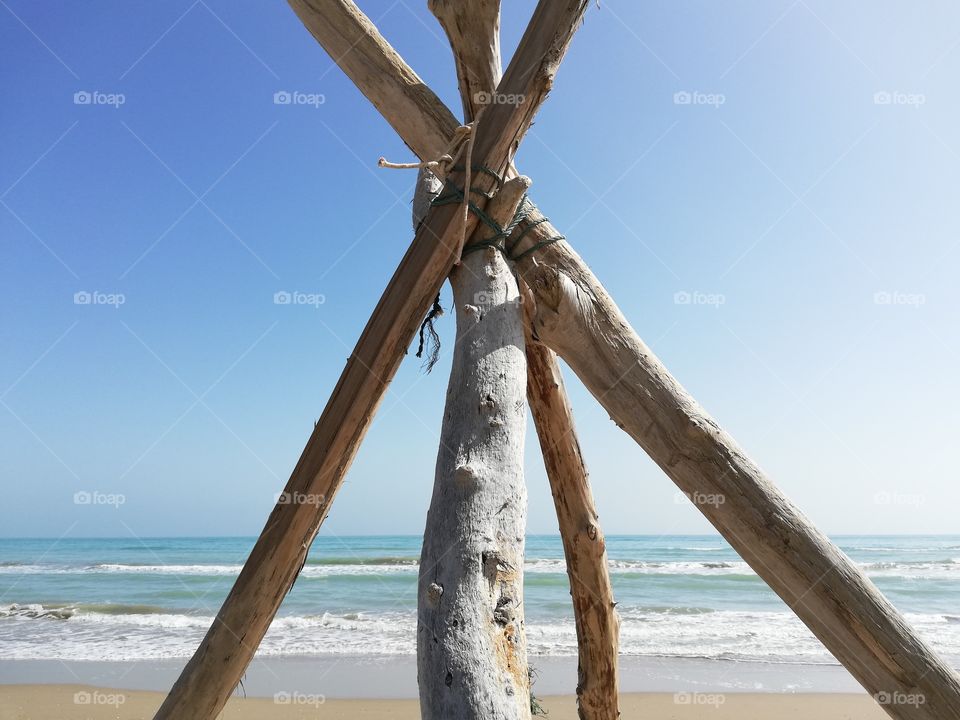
218 664
598 626
471 642
830 594
473 30
421 120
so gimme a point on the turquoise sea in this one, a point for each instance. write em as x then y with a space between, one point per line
679 596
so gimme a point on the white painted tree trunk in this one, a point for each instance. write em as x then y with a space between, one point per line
471 643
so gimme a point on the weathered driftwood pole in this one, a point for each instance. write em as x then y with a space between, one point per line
577 318
598 627
268 574
471 643
473 30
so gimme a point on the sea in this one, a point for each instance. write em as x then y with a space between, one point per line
679 596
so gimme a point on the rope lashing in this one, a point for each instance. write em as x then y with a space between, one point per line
500 234
460 143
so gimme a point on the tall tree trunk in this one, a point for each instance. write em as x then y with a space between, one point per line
471 643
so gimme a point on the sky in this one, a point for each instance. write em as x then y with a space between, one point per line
768 190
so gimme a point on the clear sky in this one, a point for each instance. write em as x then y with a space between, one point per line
768 189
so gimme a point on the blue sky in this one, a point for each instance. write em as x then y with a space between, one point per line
767 189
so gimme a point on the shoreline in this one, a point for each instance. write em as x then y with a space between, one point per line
395 677
84 702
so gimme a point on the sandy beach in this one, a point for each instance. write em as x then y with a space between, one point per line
79 702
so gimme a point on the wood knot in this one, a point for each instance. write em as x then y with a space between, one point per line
466 477
502 614
434 593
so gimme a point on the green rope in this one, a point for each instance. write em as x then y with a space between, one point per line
500 235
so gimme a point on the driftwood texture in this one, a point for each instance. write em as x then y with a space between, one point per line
473 30
471 642
218 664
578 319
598 626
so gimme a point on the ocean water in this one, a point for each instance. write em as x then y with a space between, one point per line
679 596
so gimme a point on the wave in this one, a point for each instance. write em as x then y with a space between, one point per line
117 632
943 568
399 560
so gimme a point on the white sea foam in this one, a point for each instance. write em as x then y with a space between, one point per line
39 632
948 568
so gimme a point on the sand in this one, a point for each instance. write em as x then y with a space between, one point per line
79 702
